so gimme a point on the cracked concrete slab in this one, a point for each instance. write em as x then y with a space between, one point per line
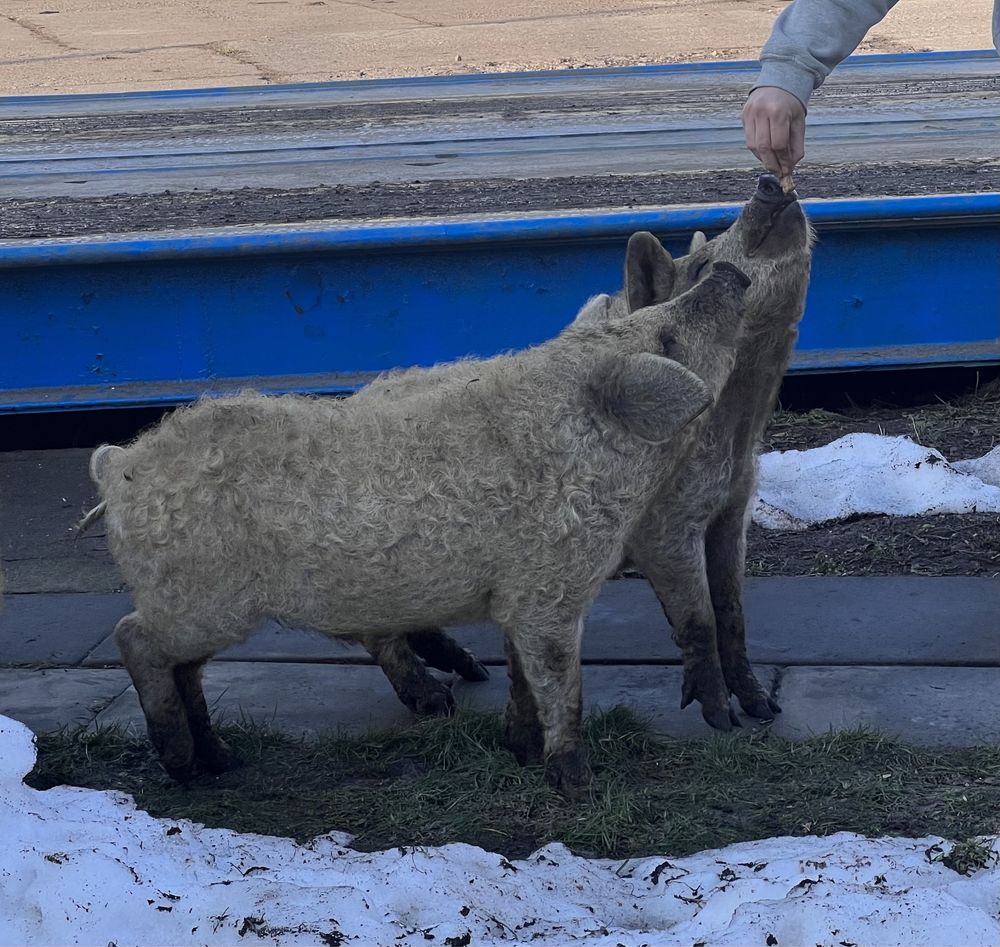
921 706
926 706
309 698
296 698
57 629
48 699
818 620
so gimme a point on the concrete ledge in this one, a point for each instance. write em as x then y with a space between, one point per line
923 706
927 706
59 697
58 629
310 698
801 620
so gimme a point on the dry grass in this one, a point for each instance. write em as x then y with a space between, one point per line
451 780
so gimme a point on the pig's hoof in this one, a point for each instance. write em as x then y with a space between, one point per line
525 741
219 759
433 700
721 718
704 682
175 749
181 773
569 772
760 706
470 668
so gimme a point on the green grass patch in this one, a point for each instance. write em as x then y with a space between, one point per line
442 781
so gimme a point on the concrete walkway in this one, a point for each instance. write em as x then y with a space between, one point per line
915 657
100 46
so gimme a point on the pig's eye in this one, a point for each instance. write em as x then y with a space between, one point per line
698 269
669 346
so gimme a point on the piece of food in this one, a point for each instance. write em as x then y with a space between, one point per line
787 183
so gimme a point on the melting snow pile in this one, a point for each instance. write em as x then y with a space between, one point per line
78 866
871 473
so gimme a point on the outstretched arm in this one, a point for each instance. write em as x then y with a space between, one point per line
809 39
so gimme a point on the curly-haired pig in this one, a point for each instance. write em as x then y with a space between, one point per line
508 498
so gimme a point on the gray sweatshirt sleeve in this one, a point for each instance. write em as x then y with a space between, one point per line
811 37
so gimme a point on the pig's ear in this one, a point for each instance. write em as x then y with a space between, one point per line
650 396
697 242
595 311
649 272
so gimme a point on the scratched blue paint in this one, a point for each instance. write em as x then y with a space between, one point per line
896 281
932 60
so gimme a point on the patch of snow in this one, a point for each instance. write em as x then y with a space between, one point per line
85 867
870 473
986 468
770 517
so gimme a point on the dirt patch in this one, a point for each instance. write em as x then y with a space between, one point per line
881 545
31 218
452 781
964 427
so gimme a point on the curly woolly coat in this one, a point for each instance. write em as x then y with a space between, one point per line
508 498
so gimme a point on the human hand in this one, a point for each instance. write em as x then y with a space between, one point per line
774 122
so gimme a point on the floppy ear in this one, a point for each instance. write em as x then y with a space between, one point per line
649 272
595 310
650 396
697 242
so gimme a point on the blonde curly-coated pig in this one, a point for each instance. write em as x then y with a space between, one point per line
507 498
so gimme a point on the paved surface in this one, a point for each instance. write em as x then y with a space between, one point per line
916 657
110 45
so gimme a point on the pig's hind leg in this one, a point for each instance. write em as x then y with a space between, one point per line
523 734
725 549
211 751
152 675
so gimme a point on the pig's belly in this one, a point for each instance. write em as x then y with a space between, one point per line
387 603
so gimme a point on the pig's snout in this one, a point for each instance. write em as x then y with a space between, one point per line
769 190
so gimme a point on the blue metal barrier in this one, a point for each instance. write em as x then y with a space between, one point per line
161 319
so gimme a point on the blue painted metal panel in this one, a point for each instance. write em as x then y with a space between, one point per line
62 103
161 319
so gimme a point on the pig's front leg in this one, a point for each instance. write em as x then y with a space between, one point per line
548 669
676 569
523 734
725 550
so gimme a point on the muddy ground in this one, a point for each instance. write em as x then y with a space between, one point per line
25 218
451 780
